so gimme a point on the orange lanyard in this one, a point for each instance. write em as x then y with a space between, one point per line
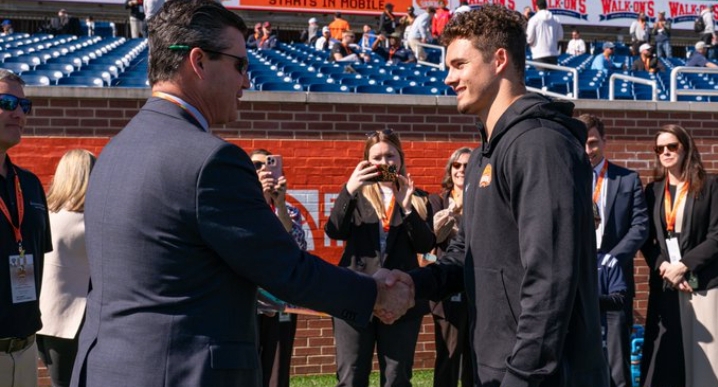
181 104
20 213
599 182
672 211
386 219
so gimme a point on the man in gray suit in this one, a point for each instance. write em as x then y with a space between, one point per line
179 235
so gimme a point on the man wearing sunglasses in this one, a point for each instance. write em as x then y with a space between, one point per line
622 230
24 238
179 235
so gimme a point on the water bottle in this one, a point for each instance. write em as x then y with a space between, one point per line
636 354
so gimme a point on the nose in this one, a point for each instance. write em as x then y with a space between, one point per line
450 79
245 81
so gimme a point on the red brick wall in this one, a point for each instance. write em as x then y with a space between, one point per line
321 138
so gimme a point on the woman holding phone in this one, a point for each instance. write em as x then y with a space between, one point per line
680 348
385 222
277 330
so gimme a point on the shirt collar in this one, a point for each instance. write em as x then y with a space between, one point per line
597 168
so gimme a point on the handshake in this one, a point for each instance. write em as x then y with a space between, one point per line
395 294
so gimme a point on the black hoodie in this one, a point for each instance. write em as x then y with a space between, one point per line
526 252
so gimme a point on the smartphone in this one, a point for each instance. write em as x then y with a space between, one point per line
274 165
386 173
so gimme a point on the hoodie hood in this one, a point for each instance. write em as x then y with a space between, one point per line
536 106
543 14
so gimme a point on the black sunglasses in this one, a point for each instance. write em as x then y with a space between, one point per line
457 165
258 165
242 66
386 132
9 102
672 147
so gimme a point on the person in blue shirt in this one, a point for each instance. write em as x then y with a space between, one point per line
698 58
604 62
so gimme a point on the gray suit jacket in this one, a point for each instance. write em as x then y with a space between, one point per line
178 239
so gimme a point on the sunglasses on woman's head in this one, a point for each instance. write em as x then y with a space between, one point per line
374 133
672 147
9 102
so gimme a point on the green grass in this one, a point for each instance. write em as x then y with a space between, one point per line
419 379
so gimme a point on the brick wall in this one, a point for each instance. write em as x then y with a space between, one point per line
321 138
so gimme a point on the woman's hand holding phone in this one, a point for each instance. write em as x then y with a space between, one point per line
363 172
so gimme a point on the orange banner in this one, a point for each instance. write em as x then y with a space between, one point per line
325 6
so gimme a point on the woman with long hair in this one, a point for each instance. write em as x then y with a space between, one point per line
451 317
385 223
680 349
66 276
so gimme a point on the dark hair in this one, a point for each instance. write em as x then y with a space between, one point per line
692 169
191 23
489 28
592 121
541 4
446 183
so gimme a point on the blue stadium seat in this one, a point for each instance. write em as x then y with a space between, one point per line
281 86
422 90
105 75
52 75
65 68
131 82
329 87
375 89
400 83
81 81
36 80
17 68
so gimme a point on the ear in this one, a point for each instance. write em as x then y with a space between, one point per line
196 59
501 60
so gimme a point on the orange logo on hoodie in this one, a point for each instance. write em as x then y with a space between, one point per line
485 177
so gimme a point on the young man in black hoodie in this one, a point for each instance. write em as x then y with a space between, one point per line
526 250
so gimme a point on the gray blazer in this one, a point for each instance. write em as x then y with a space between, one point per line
178 239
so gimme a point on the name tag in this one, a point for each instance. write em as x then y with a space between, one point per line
22 278
674 252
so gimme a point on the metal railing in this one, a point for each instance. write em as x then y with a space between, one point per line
442 57
630 78
571 70
675 91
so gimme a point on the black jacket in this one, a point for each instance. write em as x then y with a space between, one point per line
527 249
354 220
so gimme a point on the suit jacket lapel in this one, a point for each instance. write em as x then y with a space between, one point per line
612 184
658 192
395 220
687 217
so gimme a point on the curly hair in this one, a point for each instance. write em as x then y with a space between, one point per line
489 28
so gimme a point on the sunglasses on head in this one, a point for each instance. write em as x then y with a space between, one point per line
672 147
458 165
9 102
374 133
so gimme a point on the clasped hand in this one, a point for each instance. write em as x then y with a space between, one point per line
395 295
674 274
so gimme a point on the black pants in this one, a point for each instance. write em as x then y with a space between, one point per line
453 346
618 346
395 347
58 354
276 342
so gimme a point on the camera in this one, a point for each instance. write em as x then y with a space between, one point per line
386 173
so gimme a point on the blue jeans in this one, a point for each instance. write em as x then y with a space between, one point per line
663 49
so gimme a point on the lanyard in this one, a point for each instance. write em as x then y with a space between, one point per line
392 50
184 106
599 182
20 213
672 211
386 219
